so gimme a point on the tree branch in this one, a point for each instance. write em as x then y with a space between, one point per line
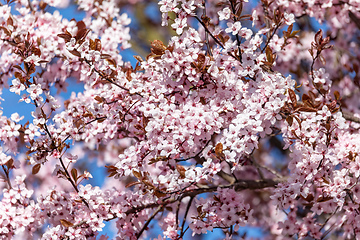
148 221
185 216
238 186
350 116
213 37
237 36
101 74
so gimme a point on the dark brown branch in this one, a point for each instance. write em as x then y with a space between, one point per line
31 6
177 213
148 222
6 171
206 33
193 157
271 36
237 186
67 174
327 220
101 74
185 216
350 116
257 166
213 37
237 36
355 19
227 177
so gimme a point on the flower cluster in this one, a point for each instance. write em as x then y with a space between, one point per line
246 116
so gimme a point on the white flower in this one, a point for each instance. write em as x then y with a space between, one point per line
16 118
234 28
224 14
289 18
17 86
33 59
34 90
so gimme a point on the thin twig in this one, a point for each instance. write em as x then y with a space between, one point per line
271 171
197 155
236 36
148 221
329 218
257 168
185 215
328 231
177 213
6 171
31 6
67 174
271 36
206 33
213 37
183 233
108 79
350 116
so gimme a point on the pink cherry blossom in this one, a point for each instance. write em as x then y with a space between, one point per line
221 126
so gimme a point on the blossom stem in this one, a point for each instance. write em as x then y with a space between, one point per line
237 36
148 221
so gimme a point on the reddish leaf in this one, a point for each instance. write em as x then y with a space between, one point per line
298 120
9 164
181 170
137 57
158 47
290 120
105 56
74 174
148 183
219 149
80 25
111 61
18 75
100 120
323 199
137 174
91 44
159 194
18 67
318 36
309 197
75 52
269 54
292 97
132 184
82 34
306 109
65 36
36 168
97 45
332 105
293 34
7 32
10 21
66 223
99 99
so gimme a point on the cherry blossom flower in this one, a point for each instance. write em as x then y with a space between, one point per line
289 18
34 90
17 86
234 28
221 126
224 14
